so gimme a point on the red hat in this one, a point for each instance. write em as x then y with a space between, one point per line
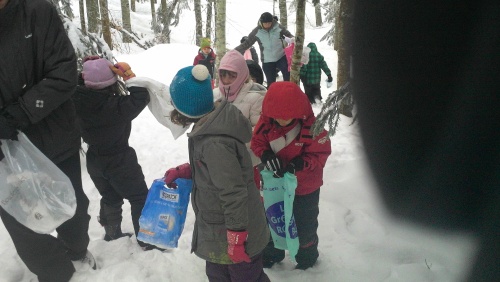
285 100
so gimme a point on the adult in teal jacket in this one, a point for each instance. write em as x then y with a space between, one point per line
269 34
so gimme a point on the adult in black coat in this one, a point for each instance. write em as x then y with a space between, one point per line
426 84
38 75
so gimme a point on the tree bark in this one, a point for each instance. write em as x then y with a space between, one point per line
199 21
299 42
82 17
208 30
220 31
106 31
132 5
93 15
343 42
154 24
283 13
126 20
317 12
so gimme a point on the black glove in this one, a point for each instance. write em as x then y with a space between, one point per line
7 128
272 162
296 164
330 79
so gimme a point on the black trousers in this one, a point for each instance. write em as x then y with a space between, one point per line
270 70
117 177
46 256
305 212
312 91
239 272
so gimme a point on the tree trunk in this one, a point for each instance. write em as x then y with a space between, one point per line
317 11
126 20
343 41
154 25
82 17
199 21
168 18
208 30
132 5
283 13
93 15
220 31
106 31
299 42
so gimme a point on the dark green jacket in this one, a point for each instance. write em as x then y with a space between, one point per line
311 73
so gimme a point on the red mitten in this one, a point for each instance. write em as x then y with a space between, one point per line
182 171
123 70
236 246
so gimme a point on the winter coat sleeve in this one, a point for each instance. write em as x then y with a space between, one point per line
252 37
196 60
259 142
127 107
225 173
325 68
285 32
316 153
53 48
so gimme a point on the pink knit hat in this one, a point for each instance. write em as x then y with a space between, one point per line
235 62
97 74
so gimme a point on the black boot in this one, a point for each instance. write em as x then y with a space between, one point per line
271 255
114 232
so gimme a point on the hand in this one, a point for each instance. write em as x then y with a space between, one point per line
7 129
123 70
236 246
272 162
330 79
296 164
182 171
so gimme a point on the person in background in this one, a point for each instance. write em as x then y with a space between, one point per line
38 76
269 34
230 229
105 117
206 57
430 130
310 74
250 53
283 141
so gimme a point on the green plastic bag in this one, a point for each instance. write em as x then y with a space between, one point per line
279 194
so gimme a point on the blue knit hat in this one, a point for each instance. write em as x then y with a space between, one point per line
191 91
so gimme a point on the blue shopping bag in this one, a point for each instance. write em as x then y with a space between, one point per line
163 216
279 194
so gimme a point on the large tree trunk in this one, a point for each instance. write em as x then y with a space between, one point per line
126 20
106 31
317 12
82 17
132 5
93 15
168 18
299 42
283 13
343 42
154 25
208 30
199 21
220 31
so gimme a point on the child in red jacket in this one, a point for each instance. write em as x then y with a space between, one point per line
283 141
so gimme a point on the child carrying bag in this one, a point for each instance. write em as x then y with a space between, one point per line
163 216
33 189
279 194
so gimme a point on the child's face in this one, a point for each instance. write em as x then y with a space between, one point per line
283 122
206 50
227 77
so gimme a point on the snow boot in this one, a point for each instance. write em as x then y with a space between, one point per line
271 255
114 232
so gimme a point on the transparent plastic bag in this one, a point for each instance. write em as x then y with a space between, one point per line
33 189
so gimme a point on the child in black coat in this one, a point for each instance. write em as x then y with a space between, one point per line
105 117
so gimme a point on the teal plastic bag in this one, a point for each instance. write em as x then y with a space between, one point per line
279 194
164 214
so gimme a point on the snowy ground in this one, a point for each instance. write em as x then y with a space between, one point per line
358 241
